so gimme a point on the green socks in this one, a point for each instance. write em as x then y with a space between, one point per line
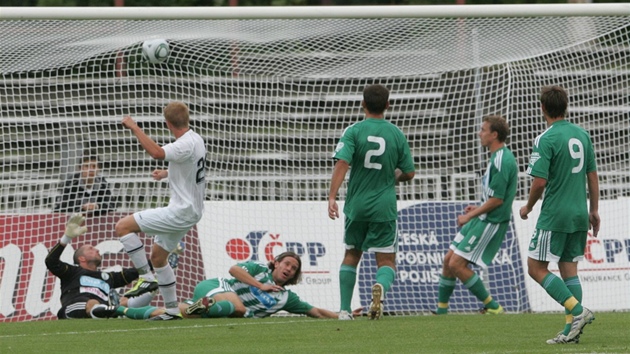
476 287
575 287
221 308
557 289
136 313
347 280
445 290
385 276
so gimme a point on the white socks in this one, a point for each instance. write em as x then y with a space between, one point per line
135 249
166 279
140 301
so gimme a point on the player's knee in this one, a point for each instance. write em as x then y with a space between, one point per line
533 273
456 262
158 260
124 226
537 270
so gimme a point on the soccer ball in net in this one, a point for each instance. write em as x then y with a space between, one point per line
155 51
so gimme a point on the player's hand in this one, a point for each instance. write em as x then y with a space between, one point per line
159 174
462 220
333 209
524 211
357 312
595 221
74 226
271 287
470 208
128 122
89 206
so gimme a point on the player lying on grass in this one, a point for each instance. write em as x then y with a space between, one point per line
256 290
85 291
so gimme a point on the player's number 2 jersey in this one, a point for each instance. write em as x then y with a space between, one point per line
374 148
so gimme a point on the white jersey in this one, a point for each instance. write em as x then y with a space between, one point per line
186 158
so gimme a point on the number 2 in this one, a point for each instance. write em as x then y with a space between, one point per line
375 152
577 155
201 170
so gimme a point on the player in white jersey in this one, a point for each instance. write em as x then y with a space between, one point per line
186 158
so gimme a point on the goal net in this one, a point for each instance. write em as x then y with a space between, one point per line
271 90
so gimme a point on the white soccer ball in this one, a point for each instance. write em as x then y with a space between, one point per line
155 51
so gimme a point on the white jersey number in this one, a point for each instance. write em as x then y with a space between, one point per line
577 155
201 170
376 152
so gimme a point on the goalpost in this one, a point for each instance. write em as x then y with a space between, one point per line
271 90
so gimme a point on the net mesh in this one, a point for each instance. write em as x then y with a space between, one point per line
271 98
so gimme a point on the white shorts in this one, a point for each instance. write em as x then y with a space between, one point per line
165 225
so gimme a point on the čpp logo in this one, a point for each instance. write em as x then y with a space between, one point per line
255 242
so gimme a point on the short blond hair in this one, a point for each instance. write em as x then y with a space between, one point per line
177 114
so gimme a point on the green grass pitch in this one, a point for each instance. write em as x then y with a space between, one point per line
511 333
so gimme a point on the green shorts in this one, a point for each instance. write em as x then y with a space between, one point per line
479 241
369 236
551 246
210 287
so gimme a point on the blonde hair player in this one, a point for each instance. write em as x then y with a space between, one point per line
186 172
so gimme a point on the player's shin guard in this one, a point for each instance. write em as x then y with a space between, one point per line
445 290
135 249
385 276
222 308
140 313
347 280
166 279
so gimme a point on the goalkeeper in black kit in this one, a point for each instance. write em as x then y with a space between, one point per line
87 292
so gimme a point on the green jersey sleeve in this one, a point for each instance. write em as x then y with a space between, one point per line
346 146
295 305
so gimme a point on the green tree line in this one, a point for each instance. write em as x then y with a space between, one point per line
267 2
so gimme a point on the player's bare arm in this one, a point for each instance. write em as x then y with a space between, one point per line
321 313
404 177
593 196
339 173
243 276
474 211
536 191
150 146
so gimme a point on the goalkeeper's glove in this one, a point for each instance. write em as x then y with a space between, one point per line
74 228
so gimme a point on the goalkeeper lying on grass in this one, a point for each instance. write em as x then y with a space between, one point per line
256 290
85 290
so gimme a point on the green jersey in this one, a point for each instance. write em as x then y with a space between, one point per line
374 148
499 181
563 155
263 304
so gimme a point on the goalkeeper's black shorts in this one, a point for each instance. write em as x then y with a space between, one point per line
76 309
